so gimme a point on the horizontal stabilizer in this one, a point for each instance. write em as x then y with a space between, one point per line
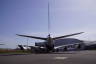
41 38
67 35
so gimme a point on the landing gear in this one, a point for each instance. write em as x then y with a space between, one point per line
65 48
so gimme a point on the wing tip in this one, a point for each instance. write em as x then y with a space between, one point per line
81 32
17 34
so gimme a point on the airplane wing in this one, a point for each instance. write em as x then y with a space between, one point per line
1 44
59 46
32 37
67 35
56 47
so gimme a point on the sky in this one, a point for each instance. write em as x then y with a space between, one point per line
30 17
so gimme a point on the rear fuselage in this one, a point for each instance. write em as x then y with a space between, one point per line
49 44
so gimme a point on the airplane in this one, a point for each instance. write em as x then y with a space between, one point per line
49 42
2 44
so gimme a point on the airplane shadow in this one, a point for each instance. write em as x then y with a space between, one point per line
57 53
38 53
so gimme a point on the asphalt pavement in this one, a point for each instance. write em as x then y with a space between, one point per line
72 57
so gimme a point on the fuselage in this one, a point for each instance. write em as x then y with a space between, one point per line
49 43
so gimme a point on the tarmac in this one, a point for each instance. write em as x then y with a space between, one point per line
71 57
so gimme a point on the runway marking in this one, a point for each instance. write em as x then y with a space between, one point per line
60 58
